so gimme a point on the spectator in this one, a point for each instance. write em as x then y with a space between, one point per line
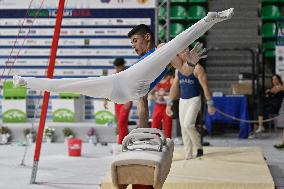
159 95
271 102
188 89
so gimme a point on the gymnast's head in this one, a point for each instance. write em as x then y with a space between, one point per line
142 39
119 64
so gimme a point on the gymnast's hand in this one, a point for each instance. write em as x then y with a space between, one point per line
169 110
197 53
211 110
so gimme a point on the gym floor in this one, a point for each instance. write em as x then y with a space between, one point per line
58 170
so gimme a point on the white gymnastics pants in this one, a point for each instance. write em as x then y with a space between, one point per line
188 111
134 82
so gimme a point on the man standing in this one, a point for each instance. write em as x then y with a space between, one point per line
159 95
188 89
121 110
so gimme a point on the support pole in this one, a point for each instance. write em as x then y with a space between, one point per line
47 94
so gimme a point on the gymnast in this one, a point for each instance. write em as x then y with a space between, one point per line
134 82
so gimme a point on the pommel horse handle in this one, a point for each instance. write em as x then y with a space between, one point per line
152 131
140 137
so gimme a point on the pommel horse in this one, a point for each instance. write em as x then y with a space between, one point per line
145 159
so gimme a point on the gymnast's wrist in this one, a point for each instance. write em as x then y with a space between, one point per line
210 103
191 64
169 102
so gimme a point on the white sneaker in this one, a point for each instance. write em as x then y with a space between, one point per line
18 81
252 136
259 130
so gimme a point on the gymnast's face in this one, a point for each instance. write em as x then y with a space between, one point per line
141 43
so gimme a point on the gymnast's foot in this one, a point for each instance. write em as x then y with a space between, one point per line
18 81
219 16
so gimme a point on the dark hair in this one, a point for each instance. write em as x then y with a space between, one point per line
119 62
141 29
170 72
278 77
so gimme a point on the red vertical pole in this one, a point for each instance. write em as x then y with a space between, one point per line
47 94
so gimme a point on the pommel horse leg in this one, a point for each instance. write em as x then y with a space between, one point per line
145 160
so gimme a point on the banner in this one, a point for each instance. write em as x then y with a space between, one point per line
279 49
76 22
83 4
279 62
104 116
93 33
67 62
14 110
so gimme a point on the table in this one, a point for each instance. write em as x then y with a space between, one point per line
233 105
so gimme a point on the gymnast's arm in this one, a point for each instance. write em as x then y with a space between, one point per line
174 94
191 58
200 73
182 66
174 91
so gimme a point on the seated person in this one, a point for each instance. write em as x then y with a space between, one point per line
272 101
